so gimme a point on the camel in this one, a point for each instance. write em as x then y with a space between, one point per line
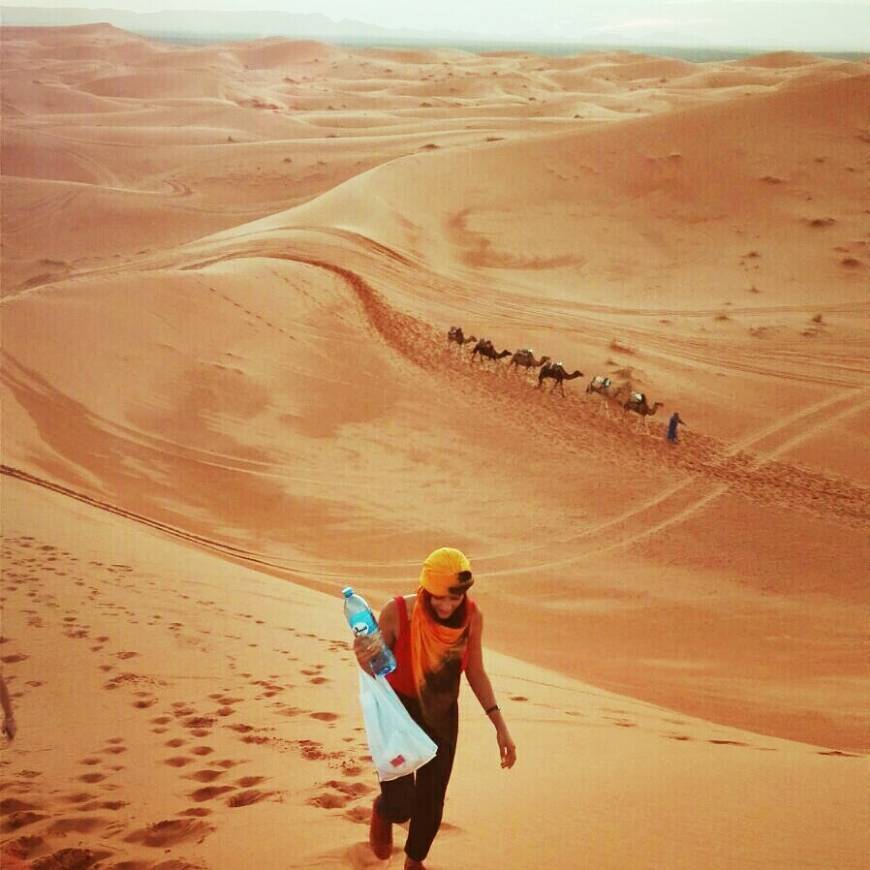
485 348
638 403
526 359
455 335
556 371
605 388
601 385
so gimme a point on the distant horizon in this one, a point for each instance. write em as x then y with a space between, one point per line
696 54
748 27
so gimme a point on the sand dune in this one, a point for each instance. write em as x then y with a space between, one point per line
157 84
780 60
228 273
272 53
225 722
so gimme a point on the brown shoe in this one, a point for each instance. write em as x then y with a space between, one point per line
380 834
414 864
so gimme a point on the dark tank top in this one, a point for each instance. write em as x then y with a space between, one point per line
402 679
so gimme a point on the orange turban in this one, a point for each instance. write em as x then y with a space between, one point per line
441 570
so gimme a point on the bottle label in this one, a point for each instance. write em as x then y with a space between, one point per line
361 629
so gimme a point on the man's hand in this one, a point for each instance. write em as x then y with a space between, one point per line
506 747
365 650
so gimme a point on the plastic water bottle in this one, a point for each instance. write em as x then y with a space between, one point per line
362 623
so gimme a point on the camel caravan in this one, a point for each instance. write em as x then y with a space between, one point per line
524 361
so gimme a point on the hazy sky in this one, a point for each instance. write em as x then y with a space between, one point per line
800 22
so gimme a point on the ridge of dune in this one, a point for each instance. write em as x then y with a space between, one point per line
658 173
416 56
278 51
103 43
74 30
779 60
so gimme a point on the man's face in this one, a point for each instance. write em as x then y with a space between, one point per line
445 605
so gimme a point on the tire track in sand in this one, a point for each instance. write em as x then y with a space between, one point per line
682 500
406 335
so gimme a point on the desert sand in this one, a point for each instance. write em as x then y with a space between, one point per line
228 273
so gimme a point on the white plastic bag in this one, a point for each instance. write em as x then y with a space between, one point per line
398 745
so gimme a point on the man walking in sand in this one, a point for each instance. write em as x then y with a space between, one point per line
675 421
435 635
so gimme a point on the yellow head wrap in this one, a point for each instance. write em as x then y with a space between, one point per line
440 573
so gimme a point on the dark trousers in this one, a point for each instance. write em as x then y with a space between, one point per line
420 796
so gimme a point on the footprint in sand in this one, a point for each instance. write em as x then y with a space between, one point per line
92 777
324 717
311 750
329 801
198 812
206 775
202 750
13 805
360 815
272 689
78 797
178 761
171 832
71 858
210 792
179 709
77 825
246 798
24 847
728 742
109 805
29 774
289 711
14 821
199 723
349 789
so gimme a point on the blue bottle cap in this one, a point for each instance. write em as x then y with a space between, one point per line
347 591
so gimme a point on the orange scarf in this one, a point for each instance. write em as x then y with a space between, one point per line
437 652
